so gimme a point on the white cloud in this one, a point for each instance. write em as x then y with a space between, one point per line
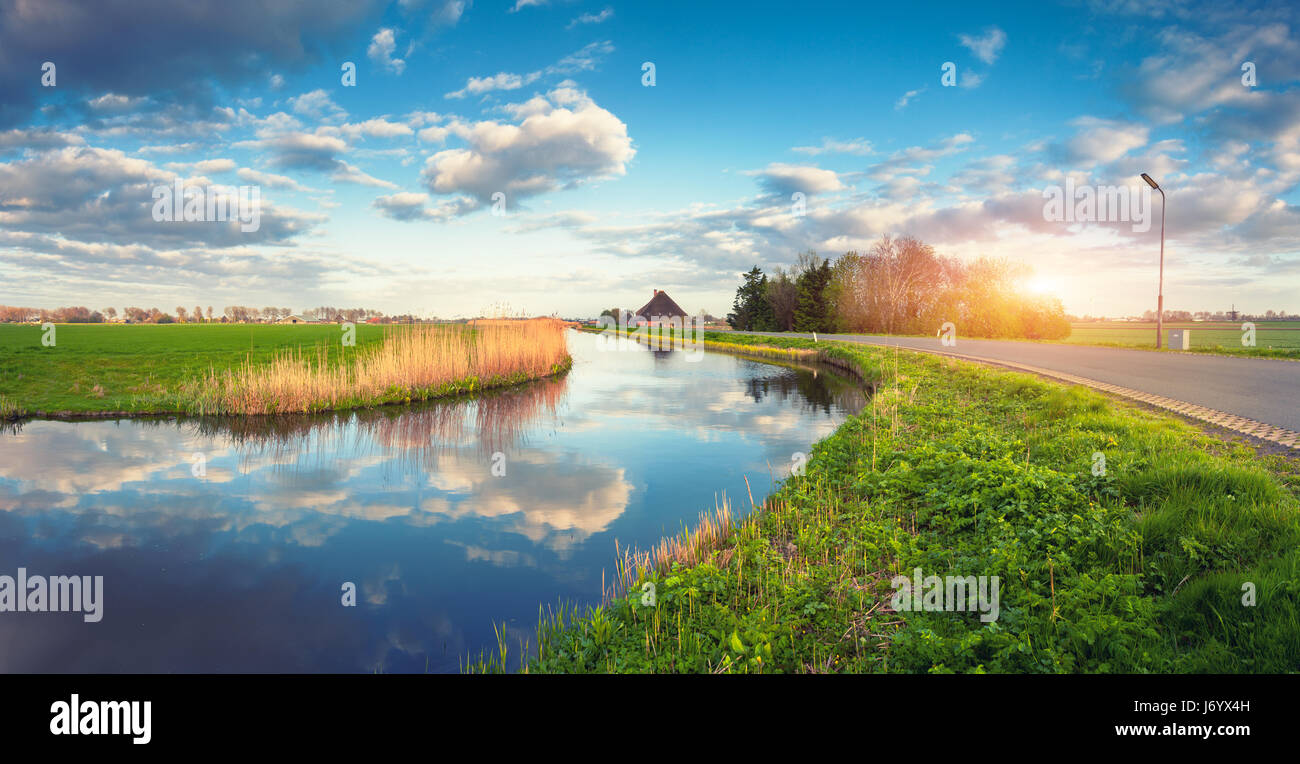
585 59
1190 73
582 60
785 179
372 128
901 103
986 47
270 180
111 102
915 160
857 146
501 81
1103 140
408 206
346 173
448 14
104 198
39 138
318 105
565 142
204 166
592 18
319 151
381 50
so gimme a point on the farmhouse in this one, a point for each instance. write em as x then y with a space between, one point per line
660 310
292 320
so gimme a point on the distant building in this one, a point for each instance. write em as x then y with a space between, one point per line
660 309
292 320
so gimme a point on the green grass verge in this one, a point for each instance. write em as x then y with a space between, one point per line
962 470
1273 339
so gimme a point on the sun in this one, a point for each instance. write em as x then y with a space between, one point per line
1043 285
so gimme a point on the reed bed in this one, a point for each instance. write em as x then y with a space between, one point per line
690 547
412 363
10 409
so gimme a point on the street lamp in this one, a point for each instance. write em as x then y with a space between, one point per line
1160 296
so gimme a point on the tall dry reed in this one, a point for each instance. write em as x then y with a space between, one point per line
689 548
412 363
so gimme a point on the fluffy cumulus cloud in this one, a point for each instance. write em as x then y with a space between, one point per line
1103 140
381 50
87 213
785 179
99 195
562 140
317 105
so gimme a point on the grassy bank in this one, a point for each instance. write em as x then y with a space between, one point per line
1274 339
258 368
960 470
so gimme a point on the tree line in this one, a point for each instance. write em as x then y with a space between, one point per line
899 286
230 314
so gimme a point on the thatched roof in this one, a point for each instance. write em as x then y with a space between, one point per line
661 305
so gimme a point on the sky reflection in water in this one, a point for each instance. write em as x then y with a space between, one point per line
241 569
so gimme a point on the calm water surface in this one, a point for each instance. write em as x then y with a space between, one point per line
224 545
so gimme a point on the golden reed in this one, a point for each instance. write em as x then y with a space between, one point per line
689 548
412 363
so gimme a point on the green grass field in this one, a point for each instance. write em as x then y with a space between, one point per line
1280 339
131 367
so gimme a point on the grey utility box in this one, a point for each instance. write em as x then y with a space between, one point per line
1180 339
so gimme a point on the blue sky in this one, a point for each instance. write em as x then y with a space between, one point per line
381 194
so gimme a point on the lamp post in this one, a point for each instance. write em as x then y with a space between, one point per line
1160 295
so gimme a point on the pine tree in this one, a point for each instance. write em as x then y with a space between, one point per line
812 313
751 311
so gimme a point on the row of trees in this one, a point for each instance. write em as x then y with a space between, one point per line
69 315
355 315
244 314
82 315
799 300
1232 315
231 314
900 286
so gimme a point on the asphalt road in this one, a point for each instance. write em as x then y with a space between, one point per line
1257 388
